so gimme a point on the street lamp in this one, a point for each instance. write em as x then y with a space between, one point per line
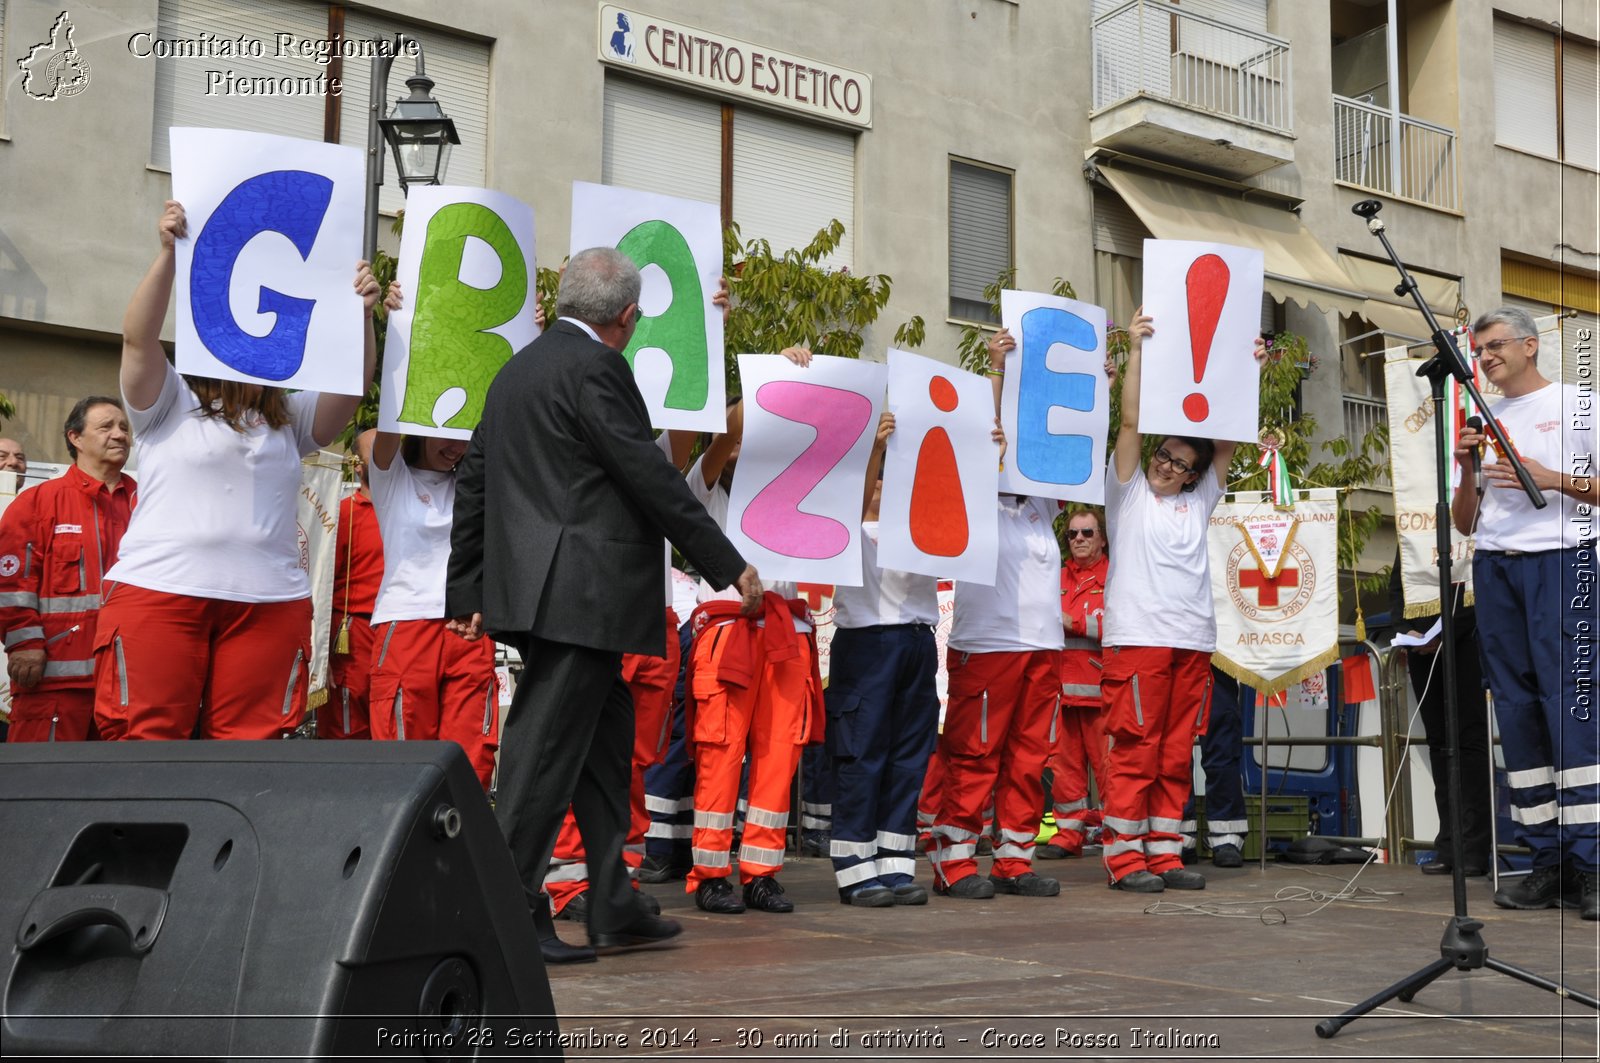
418 132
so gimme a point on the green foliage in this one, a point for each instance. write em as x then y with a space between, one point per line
8 408
972 349
793 300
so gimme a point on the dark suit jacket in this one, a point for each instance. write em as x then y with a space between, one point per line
562 502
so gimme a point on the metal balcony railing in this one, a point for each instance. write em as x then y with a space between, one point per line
1150 48
1420 167
1362 414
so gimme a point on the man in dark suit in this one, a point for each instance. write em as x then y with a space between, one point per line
562 502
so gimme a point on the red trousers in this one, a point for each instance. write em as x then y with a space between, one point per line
996 737
52 715
171 666
428 683
1080 747
349 682
650 680
769 720
1156 701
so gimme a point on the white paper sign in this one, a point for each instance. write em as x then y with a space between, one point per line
466 269
937 514
1199 375
1056 402
676 352
265 289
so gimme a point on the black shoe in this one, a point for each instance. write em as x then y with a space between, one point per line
909 893
867 895
647 902
1027 884
715 895
1589 894
765 893
985 845
1181 878
1050 851
1139 882
814 843
1437 866
1227 855
645 932
576 910
974 887
658 869
1541 889
555 950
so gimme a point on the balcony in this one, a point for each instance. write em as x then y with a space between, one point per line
1420 167
1363 413
1190 90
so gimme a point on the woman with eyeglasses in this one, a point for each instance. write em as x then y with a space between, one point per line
1080 742
1160 632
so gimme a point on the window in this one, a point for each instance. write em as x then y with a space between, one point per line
980 236
1543 289
289 94
780 180
459 67
1545 90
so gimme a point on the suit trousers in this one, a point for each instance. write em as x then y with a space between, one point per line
567 740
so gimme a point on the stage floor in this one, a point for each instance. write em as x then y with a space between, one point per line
1243 970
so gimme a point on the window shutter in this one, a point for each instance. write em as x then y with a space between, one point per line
181 98
1245 14
459 68
980 236
791 179
1117 228
663 142
1580 106
1524 88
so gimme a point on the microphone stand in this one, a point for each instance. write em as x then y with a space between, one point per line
1462 947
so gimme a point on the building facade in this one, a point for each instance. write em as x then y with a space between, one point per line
953 140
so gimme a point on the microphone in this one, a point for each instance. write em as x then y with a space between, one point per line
1476 424
1368 209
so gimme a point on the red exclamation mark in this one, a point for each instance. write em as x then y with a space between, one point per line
1207 285
938 511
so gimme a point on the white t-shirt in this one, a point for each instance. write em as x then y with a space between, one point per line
1158 591
886 595
216 512
1554 429
715 499
1022 611
414 508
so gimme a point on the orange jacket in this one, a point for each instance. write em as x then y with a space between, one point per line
56 542
1083 606
749 640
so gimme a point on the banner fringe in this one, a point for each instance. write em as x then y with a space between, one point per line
1265 686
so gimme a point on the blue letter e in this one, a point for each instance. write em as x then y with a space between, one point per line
290 202
1041 456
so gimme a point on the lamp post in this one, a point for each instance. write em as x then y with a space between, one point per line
417 130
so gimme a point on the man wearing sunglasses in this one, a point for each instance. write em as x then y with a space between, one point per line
1533 575
1160 632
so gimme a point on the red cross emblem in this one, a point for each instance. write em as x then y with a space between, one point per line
1267 588
813 593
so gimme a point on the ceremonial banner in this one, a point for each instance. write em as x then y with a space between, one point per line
937 515
317 518
1056 402
264 284
795 508
1199 374
1275 580
466 269
676 351
1414 474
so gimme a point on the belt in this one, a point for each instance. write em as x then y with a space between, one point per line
1587 544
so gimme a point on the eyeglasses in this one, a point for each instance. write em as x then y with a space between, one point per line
1081 533
1493 346
1164 458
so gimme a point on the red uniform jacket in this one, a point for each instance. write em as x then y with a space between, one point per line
56 542
1083 606
358 558
747 642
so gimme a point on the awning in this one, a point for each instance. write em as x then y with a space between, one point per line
1395 315
1297 266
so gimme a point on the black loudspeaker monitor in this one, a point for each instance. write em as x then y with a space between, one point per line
261 900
